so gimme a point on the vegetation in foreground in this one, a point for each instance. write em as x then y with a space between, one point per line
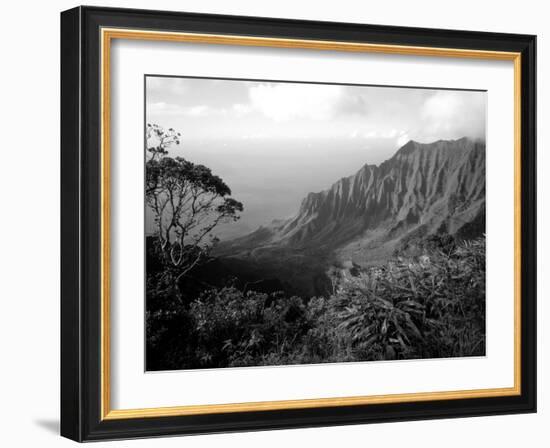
426 306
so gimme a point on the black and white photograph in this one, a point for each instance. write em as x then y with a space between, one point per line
304 223
275 224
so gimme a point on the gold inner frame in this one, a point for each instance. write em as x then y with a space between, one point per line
107 35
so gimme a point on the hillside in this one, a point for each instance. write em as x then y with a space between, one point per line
424 189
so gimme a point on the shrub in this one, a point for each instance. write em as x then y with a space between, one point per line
431 307
428 306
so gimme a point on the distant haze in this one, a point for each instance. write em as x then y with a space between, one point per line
273 143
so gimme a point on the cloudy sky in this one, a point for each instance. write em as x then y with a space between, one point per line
273 142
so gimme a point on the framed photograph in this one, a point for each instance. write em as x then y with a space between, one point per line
273 223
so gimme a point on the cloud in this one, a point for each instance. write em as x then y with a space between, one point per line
158 86
352 104
198 111
284 102
402 140
162 108
240 109
237 110
391 134
454 114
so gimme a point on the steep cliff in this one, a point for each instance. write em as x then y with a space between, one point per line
421 190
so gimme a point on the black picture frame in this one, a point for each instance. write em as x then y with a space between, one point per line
81 224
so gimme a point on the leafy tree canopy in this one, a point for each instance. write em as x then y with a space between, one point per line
188 202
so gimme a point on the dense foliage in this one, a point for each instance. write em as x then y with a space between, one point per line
422 306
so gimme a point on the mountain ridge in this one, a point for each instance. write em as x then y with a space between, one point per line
424 189
413 187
